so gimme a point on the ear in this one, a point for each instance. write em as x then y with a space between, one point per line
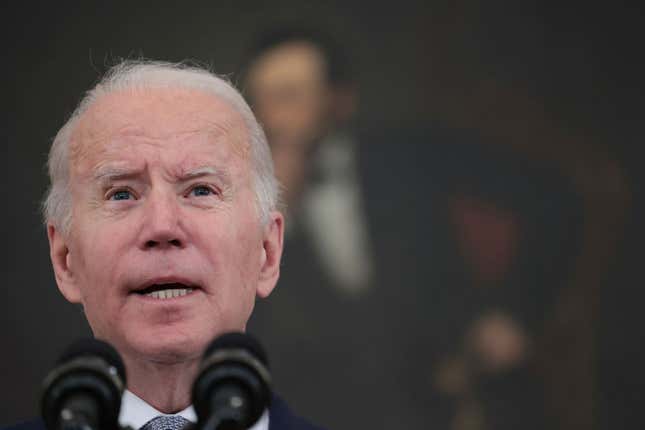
62 263
271 254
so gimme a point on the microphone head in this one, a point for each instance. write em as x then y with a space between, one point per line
88 379
237 340
233 386
90 347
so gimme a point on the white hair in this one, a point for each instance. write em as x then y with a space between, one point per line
145 74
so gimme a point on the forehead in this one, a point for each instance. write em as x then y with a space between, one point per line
157 115
289 62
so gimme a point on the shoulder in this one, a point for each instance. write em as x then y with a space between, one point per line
282 418
36 424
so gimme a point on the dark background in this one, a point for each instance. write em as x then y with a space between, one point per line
556 83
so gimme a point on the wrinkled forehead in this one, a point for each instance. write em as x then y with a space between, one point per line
158 114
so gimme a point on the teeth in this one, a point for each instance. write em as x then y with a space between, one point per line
169 293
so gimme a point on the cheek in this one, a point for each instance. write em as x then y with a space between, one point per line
97 270
100 252
96 259
236 252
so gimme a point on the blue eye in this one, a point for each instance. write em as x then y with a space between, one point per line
121 195
201 190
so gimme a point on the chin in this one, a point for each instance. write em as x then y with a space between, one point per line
168 348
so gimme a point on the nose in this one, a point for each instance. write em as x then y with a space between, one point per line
162 227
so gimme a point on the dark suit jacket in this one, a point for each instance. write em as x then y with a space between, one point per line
280 418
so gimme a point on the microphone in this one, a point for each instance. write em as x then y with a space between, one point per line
232 387
83 391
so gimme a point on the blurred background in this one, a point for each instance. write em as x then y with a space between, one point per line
463 189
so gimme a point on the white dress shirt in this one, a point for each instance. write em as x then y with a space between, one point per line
334 216
135 412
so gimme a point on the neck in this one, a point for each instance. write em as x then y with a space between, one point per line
165 386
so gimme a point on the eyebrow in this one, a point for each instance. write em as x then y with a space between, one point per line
107 174
201 171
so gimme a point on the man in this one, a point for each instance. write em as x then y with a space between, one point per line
162 224
300 86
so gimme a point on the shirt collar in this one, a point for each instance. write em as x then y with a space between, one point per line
135 412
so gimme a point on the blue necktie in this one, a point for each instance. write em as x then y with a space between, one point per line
166 422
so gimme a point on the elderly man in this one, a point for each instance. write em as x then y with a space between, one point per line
162 224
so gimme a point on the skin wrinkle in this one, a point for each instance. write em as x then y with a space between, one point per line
89 132
105 156
110 175
82 149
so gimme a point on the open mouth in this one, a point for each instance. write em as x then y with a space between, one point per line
166 291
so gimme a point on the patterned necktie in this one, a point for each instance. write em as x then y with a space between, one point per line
166 422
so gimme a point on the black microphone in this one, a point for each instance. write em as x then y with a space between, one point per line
83 391
232 388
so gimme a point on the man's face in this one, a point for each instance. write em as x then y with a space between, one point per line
163 206
290 93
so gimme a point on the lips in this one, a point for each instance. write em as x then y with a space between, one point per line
165 288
